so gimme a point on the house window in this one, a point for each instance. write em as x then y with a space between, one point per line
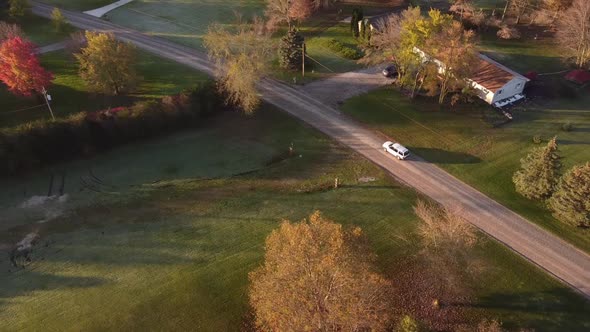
499 92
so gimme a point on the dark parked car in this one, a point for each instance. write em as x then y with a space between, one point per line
390 71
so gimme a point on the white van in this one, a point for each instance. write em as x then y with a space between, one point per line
396 149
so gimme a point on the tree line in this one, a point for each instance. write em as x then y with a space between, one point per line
568 196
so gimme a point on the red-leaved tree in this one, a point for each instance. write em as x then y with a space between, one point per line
20 69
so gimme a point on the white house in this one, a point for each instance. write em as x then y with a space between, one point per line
495 83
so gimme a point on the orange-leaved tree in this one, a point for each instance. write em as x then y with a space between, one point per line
318 276
20 68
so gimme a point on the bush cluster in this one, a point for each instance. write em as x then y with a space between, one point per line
343 50
41 143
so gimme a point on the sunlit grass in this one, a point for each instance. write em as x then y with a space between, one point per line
464 143
158 78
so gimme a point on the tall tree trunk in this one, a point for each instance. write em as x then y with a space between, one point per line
505 9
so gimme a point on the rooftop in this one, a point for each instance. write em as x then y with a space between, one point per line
493 75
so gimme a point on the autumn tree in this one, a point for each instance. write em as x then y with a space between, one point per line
519 7
291 50
557 6
398 39
447 238
301 10
242 54
107 65
443 228
317 276
58 19
462 7
287 11
408 324
323 4
20 69
539 172
18 8
8 31
455 50
571 201
573 32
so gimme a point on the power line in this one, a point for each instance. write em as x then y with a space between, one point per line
23 109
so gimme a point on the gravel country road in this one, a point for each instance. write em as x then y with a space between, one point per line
547 251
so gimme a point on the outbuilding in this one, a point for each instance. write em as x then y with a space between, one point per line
497 84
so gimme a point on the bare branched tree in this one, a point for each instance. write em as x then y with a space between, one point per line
323 4
444 228
242 54
519 7
573 32
455 48
287 11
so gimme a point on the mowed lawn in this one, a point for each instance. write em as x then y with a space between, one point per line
184 22
80 5
463 142
158 78
167 243
40 31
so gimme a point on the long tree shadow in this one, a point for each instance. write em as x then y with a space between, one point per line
23 282
440 156
549 310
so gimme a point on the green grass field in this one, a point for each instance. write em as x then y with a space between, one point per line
40 30
465 144
169 236
186 22
79 5
159 78
322 61
541 56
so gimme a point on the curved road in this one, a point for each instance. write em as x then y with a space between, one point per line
550 253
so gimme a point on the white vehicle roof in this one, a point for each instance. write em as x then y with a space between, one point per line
400 148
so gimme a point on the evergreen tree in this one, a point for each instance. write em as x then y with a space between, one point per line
539 171
291 50
571 201
363 28
357 16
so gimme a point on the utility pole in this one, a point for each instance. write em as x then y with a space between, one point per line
47 100
303 59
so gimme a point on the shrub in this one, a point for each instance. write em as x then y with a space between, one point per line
567 126
40 143
507 32
343 50
537 139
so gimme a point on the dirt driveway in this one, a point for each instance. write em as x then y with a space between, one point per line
338 88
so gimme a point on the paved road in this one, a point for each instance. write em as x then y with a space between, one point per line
547 251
